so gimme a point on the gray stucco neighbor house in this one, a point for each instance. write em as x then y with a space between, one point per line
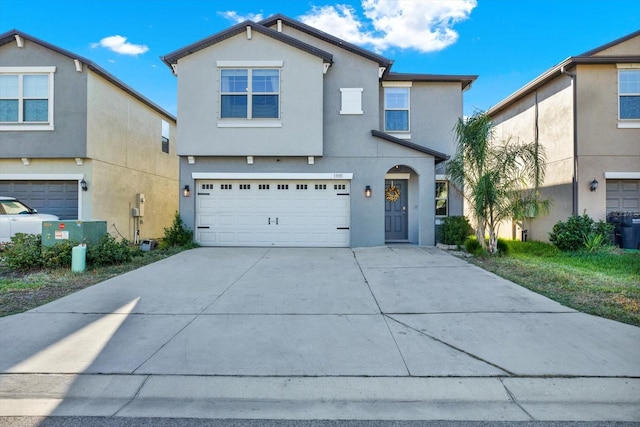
78 143
289 136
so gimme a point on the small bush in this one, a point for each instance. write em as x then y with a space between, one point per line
109 252
24 252
503 247
454 230
579 232
177 234
58 255
472 246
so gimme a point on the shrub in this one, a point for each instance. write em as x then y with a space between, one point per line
579 232
472 246
454 230
24 252
177 234
109 252
58 255
503 247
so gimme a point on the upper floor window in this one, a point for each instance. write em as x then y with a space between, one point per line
166 131
629 93
250 93
396 109
26 98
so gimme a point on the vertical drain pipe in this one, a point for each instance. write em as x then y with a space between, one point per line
574 183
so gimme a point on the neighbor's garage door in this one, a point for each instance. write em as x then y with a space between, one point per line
272 213
623 195
52 197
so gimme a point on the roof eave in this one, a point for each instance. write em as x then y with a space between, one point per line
439 157
381 60
92 66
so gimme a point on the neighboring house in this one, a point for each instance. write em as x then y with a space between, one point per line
78 143
585 112
289 136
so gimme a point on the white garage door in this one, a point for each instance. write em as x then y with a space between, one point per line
272 213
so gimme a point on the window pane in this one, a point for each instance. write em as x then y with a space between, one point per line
265 81
8 86
36 86
396 120
264 106
234 81
441 207
630 107
629 81
36 110
234 106
396 97
8 110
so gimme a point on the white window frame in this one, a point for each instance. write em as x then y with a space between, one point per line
446 199
166 133
21 125
397 85
627 123
249 121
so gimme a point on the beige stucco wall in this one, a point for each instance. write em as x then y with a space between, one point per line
124 146
603 147
555 134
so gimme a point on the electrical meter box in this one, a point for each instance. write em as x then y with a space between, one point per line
75 231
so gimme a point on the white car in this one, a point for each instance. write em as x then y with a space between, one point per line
16 217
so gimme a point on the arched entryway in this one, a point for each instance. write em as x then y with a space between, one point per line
396 203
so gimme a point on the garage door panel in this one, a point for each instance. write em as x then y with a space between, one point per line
52 197
623 195
273 213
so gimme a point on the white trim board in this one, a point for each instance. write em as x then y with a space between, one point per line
622 175
41 176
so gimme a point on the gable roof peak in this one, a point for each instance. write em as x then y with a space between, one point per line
312 31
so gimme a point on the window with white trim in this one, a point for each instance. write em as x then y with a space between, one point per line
250 93
442 198
629 94
396 109
166 130
26 98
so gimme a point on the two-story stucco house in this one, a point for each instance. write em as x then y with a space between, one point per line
79 143
585 112
289 136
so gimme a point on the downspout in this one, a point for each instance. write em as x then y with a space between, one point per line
574 183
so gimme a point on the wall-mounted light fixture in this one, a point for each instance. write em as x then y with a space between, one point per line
186 191
83 185
594 185
367 191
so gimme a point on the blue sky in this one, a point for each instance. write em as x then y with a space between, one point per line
506 42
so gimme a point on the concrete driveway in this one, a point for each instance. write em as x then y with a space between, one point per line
397 332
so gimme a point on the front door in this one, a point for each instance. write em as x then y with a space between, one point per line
395 210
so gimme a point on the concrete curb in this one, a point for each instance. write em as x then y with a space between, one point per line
345 398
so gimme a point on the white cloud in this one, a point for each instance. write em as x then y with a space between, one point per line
234 17
423 25
119 44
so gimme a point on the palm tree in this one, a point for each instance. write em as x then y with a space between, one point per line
500 179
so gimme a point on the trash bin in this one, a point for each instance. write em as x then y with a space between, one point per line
627 229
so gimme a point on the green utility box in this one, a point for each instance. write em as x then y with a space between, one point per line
76 231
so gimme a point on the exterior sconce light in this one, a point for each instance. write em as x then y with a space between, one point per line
186 192
83 185
594 185
367 191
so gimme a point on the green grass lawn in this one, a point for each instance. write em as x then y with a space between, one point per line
20 292
605 283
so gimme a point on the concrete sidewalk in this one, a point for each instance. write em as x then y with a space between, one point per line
395 332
